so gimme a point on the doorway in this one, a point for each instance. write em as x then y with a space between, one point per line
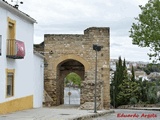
69 69
72 85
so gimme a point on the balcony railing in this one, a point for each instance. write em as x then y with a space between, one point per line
15 49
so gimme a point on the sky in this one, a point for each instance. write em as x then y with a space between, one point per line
74 16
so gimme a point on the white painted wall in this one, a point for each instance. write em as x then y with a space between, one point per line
0 44
38 80
3 62
25 75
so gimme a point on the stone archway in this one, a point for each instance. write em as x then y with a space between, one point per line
64 58
77 49
63 69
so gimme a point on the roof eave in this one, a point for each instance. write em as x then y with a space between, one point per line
18 12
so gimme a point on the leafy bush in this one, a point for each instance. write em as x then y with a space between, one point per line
133 100
152 95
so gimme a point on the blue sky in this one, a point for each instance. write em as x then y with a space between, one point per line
74 16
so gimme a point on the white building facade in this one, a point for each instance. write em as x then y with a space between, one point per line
21 71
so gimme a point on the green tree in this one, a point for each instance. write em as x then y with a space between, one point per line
158 83
119 75
128 89
74 78
152 95
142 88
124 93
146 31
147 91
133 75
152 68
133 100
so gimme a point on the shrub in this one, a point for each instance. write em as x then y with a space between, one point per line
133 100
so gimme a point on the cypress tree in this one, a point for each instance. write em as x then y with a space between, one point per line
133 75
119 75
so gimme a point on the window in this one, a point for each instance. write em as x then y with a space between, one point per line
10 83
11 36
0 45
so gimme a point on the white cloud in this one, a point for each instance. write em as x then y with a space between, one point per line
74 16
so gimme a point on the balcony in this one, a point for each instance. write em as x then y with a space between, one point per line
15 49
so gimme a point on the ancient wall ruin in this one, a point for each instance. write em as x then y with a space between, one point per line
67 53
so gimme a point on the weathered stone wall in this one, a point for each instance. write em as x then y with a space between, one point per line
88 92
88 89
39 47
79 48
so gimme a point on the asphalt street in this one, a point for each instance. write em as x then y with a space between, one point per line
125 114
68 112
74 97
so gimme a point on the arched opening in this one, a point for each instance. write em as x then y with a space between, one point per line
72 84
65 68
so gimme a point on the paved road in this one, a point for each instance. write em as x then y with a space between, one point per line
124 114
64 112
74 97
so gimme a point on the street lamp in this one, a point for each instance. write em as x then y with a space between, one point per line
97 49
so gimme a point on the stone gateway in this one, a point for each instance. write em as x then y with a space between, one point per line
66 53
